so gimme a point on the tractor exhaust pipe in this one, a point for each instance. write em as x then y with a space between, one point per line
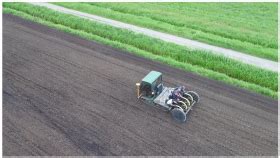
138 89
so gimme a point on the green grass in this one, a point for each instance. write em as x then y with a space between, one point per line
203 63
247 27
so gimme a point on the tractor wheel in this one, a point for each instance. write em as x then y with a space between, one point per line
178 115
194 95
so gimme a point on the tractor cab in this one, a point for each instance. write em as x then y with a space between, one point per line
151 85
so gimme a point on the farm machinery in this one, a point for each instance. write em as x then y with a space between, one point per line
177 100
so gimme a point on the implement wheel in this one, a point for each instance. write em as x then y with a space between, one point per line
194 95
178 115
189 97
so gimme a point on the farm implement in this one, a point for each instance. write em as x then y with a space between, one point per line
177 100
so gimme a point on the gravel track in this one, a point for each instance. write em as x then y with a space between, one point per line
63 95
239 56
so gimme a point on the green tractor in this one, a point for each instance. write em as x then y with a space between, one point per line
176 100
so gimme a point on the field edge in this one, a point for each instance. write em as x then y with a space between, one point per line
203 72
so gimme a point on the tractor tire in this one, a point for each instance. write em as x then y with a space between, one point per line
194 95
178 115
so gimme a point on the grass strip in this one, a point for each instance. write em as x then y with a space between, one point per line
107 35
186 20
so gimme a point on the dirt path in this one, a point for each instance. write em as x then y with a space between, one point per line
63 95
245 58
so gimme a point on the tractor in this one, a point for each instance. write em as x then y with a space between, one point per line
177 100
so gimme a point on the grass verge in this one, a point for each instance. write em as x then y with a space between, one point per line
247 27
203 63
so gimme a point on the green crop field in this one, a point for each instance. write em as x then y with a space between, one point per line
247 27
203 63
